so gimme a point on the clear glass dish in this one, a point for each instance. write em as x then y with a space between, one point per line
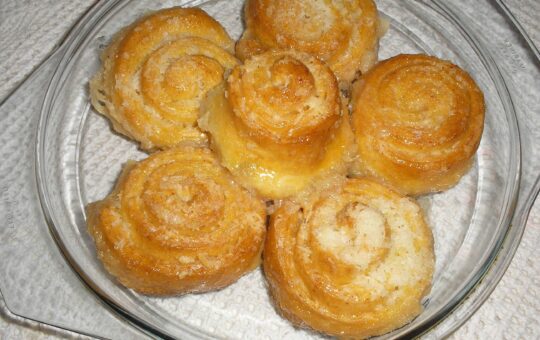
78 159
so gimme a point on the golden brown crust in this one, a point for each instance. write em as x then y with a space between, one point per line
352 261
177 223
418 121
279 123
345 34
155 73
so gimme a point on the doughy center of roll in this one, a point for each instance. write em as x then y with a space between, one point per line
357 234
182 200
292 83
175 77
181 82
424 103
181 205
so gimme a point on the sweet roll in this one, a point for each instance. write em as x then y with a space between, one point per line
155 73
279 123
353 261
177 223
417 121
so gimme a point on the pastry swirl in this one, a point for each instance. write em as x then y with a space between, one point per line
418 121
352 261
155 73
279 123
345 34
177 223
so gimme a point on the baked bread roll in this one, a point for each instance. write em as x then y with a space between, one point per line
155 73
353 261
177 223
279 123
345 34
418 121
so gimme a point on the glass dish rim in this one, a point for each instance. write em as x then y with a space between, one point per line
69 48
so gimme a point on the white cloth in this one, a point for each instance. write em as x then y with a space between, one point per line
29 30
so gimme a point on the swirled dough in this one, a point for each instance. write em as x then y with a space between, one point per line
353 260
345 34
279 123
155 73
177 223
418 121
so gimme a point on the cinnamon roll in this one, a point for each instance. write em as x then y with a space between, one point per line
353 261
155 73
345 34
279 123
417 121
177 223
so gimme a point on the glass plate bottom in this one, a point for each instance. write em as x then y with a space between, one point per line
79 159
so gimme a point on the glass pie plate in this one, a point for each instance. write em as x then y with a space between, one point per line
477 225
